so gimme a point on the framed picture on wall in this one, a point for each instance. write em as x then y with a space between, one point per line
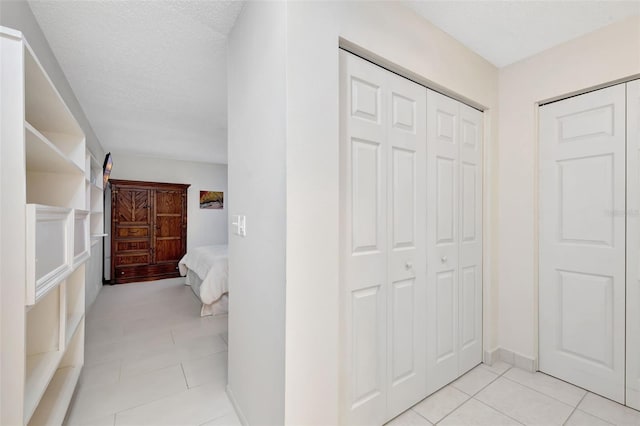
211 200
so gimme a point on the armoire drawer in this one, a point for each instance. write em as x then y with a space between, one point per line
145 273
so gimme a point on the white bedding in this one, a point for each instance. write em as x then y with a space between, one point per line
210 264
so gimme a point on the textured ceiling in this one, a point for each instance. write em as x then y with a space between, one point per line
150 75
504 32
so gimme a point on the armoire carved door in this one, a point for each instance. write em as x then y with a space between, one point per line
148 230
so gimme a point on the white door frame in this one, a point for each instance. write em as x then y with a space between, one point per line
489 163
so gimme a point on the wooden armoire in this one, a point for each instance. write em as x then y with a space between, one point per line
148 230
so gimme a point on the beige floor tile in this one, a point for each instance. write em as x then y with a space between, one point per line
107 420
128 393
191 407
226 420
106 373
409 418
609 410
441 403
204 326
524 404
476 379
547 385
580 418
498 367
206 369
475 413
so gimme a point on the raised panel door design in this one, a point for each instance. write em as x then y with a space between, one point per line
587 220
454 233
446 316
404 198
365 100
406 230
445 197
633 245
403 113
587 124
468 308
402 336
470 255
383 251
364 246
469 201
592 317
366 196
582 234
368 326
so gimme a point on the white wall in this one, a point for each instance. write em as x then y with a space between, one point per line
204 226
257 113
604 56
396 34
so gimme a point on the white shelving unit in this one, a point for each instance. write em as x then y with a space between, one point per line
95 197
47 204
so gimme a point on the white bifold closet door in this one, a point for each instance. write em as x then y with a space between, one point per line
454 239
582 241
383 254
633 244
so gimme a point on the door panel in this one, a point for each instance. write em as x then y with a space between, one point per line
363 171
470 225
169 226
406 368
454 234
383 268
633 244
582 241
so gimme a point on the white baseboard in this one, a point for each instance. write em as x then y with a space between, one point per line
491 357
236 407
517 360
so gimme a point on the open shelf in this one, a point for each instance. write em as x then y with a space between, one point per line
44 347
55 402
43 156
46 111
74 303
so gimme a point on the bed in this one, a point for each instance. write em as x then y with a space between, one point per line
207 271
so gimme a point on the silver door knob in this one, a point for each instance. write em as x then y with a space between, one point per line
443 259
408 265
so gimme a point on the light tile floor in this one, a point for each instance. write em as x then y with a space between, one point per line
150 359
502 395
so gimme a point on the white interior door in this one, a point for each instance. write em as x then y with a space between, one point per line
633 244
582 241
364 253
406 305
470 254
454 239
383 266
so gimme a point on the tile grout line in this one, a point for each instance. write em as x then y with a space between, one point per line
544 394
498 411
184 375
470 396
574 409
451 384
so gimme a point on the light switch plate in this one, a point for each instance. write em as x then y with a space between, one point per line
239 223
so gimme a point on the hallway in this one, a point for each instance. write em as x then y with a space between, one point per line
152 360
